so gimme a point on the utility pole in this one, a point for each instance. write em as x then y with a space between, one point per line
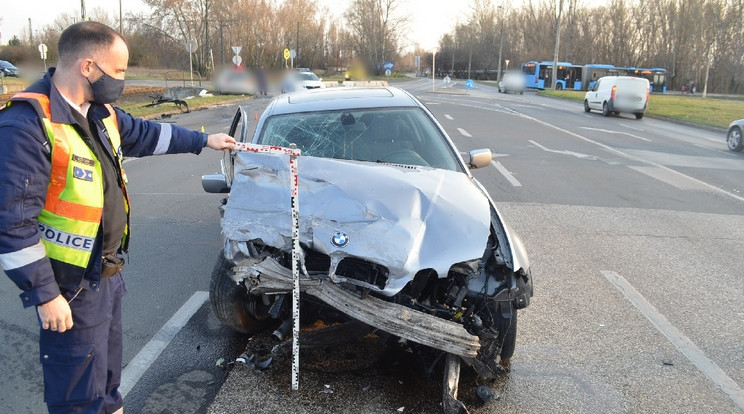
501 42
554 74
297 48
206 32
82 10
121 26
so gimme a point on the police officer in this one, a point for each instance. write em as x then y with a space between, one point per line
64 210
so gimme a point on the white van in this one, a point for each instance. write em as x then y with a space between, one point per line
615 94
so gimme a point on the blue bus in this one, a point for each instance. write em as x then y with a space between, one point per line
538 75
582 78
656 77
590 74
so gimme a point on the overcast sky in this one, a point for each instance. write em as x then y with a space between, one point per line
429 18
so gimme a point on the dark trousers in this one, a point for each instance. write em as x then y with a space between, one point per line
82 366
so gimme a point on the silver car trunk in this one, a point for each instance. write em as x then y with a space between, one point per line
405 218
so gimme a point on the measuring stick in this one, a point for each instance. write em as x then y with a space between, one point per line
293 153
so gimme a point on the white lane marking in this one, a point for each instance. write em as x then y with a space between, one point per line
506 174
713 140
566 152
726 153
152 350
632 127
616 132
448 116
464 132
679 182
678 339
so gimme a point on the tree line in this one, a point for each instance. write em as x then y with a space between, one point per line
687 37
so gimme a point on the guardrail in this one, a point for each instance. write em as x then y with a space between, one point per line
183 77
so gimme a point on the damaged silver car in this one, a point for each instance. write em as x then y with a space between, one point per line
394 230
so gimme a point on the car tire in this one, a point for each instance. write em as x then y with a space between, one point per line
586 106
507 333
558 87
733 139
521 92
606 109
230 301
639 115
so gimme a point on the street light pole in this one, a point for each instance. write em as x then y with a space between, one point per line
433 67
501 42
554 73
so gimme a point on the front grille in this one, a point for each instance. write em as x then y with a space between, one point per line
363 271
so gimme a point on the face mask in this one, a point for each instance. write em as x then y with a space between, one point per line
106 89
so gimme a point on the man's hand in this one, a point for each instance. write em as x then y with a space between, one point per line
55 315
221 141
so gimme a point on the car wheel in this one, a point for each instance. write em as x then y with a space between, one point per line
606 109
586 106
230 301
733 139
521 92
507 327
558 87
639 115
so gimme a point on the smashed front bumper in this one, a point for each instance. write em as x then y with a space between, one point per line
266 276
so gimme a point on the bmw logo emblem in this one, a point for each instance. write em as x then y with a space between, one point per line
340 239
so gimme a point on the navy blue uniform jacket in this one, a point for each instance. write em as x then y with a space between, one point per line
25 167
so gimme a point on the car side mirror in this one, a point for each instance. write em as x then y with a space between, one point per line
215 183
480 158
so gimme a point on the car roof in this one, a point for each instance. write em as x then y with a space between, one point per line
330 99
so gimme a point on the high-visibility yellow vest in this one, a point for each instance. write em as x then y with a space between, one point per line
71 217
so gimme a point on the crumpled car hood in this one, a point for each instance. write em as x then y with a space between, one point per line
405 218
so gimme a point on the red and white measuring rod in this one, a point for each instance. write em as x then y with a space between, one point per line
293 153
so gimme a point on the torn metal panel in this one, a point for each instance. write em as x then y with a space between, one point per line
398 320
407 218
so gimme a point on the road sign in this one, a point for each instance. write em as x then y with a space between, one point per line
43 53
192 45
236 49
387 73
293 53
469 84
286 54
389 66
237 60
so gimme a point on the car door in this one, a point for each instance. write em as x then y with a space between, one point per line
594 102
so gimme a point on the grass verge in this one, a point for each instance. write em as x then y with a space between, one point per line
140 110
708 111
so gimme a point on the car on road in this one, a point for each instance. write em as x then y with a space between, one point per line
393 230
301 80
235 82
512 82
733 136
8 69
616 94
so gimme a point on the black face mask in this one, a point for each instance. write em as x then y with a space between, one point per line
106 89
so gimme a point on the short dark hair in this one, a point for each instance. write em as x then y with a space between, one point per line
85 38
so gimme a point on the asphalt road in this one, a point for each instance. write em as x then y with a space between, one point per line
634 228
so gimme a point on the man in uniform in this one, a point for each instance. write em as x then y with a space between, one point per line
64 210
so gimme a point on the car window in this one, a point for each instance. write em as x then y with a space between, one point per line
396 135
307 76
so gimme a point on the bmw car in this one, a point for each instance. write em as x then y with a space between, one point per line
392 230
